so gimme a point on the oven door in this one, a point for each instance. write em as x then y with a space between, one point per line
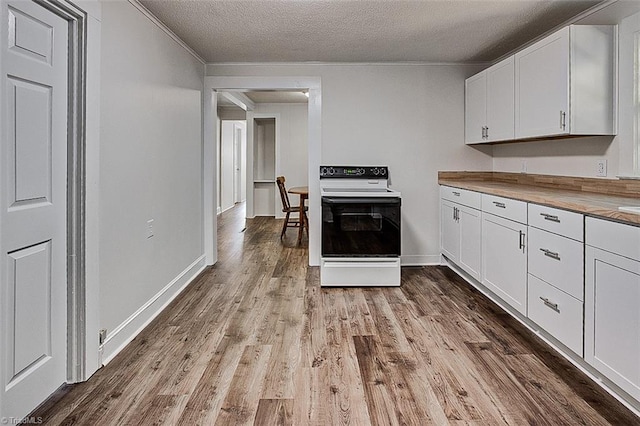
360 227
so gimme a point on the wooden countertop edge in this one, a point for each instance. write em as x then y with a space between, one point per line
588 203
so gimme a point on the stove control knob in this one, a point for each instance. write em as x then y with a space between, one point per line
383 171
376 171
323 171
361 171
331 171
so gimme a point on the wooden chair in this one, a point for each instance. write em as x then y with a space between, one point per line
289 222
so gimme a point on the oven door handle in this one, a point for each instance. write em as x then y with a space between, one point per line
361 200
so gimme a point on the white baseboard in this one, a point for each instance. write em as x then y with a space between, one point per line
122 335
419 260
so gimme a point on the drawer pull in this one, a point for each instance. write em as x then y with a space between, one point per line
550 304
499 204
550 217
457 194
522 241
550 254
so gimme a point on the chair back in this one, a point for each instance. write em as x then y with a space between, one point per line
283 194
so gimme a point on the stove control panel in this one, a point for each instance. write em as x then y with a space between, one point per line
362 172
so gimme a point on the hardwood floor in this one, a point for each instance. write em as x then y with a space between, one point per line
255 340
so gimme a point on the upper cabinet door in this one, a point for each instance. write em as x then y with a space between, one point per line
500 101
542 87
475 118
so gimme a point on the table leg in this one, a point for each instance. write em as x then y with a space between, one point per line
301 214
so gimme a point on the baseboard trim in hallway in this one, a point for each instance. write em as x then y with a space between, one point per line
122 335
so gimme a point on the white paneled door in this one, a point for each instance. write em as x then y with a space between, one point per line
33 206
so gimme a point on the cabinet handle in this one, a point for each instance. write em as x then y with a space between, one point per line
521 241
499 204
486 132
483 133
457 194
563 120
550 254
550 217
550 304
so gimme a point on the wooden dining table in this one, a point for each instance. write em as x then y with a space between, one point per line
303 192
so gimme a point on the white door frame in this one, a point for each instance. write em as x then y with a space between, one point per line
211 84
76 312
251 212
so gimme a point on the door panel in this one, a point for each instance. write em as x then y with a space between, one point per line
30 140
33 205
504 260
449 231
612 319
30 283
542 87
30 36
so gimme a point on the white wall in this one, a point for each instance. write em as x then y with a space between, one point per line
409 117
150 168
566 157
293 158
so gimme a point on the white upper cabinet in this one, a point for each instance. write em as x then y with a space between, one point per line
500 101
564 84
475 100
489 104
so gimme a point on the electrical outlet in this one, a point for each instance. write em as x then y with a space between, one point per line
150 228
601 168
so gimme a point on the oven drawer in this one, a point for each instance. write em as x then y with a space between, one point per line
557 312
461 196
359 272
505 207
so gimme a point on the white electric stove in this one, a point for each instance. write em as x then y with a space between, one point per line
360 227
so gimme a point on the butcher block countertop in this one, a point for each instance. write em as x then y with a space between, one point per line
590 196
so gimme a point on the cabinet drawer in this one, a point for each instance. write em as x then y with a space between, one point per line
505 207
558 221
613 237
557 260
557 313
461 196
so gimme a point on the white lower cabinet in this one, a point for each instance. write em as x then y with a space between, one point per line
558 313
460 230
612 301
449 231
576 278
504 260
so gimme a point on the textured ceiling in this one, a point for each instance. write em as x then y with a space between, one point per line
360 30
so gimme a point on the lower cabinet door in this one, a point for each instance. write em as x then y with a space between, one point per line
612 317
557 312
449 231
504 260
470 241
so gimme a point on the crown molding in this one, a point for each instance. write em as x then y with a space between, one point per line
146 12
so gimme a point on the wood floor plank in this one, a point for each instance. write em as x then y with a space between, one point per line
380 401
274 412
387 326
241 403
255 339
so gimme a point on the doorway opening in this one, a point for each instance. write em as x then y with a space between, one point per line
298 144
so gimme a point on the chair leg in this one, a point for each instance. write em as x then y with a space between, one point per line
284 226
306 222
